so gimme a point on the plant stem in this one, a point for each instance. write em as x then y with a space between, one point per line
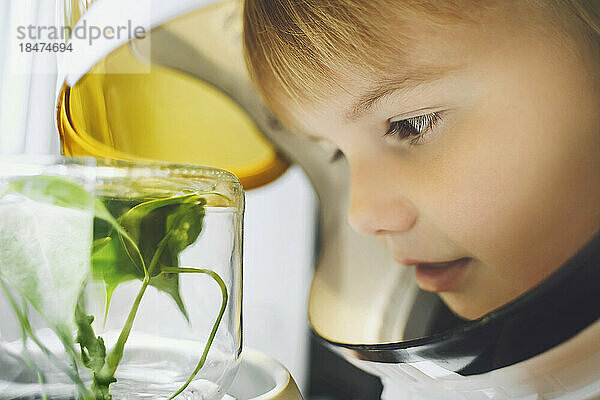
65 339
41 382
215 327
70 349
28 362
116 353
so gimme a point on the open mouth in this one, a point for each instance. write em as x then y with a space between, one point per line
441 276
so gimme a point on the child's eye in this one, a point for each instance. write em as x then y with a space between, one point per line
413 129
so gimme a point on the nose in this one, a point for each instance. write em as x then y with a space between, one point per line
376 205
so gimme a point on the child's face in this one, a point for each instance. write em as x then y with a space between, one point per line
505 177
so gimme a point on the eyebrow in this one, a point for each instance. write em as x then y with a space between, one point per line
385 87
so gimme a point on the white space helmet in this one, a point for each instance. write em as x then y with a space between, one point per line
543 345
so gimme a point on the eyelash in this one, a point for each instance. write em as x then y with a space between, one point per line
413 129
336 156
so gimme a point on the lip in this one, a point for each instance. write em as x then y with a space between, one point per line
441 276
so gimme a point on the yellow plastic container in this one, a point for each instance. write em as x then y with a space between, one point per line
162 114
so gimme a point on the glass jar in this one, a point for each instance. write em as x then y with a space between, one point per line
118 279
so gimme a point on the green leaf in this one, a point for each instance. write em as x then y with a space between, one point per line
132 218
176 221
108 261
169 283
183 227
148 223
112 265
185 224
157 234
39 227
59 191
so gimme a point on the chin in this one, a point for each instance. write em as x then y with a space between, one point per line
466 307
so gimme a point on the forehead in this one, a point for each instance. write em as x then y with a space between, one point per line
418 51
306 52
435 53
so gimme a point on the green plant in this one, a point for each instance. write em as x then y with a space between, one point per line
132 240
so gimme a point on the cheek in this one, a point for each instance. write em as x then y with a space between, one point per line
474 188
495 191
519 193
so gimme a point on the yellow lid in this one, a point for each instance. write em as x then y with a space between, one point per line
162 114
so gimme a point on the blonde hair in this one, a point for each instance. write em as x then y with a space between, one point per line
299 48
